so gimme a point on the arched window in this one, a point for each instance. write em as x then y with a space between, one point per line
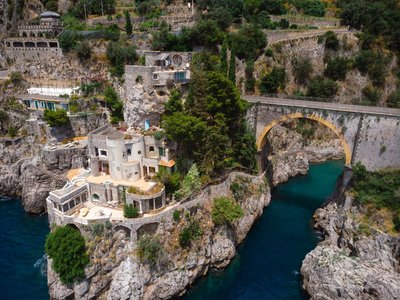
95 197
151 149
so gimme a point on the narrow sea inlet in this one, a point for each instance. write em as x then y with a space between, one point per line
266 267
269 260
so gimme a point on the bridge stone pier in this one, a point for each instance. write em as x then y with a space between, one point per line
370 135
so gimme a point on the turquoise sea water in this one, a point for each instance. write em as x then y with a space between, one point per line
268 263
266 267
22 269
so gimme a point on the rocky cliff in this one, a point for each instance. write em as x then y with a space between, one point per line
116 272
353 261
293 145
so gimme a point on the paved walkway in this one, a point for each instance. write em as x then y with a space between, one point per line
371 110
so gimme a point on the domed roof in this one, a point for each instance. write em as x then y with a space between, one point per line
49 14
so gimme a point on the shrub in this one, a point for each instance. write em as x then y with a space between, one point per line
373 64
392 101
150 250
130 211
83 50
16 77
371 95
314 8
322 88
3 115
176 215
284 24
66 247
114 104
302 70
382 150
190 184
331 41
248 42
12 131
189 234
56 118
336 68
225 211
68 39
273 81
396 221
269 52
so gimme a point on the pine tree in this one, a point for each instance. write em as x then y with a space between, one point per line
224 60
128 23
232 69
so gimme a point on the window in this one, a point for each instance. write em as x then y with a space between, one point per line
155 76
129 152
95 197
180 76
152 170
161 151
151 149
139 152
96 151
103 153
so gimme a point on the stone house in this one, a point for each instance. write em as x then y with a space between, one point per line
161 69
121 166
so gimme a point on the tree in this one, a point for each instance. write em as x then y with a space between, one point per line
191 183
273 81
150 250
57 118
174 104
128 23
322 88
248 42
66 247
68 40
314 8
225 211
336 68
114 104
224 59
83 50
302 70
190 233
232 69
130 211
331 41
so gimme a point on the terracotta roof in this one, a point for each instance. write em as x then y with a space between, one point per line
168 164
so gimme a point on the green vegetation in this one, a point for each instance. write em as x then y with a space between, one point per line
83 50
374 64
378 190
91 7
248 42
394 99
176 215
120 54
66 247
69 39
225 211
337 68
374 17
302 70
273 82
209 129
114 104
322 88
56 118
190 233
371 95
128 23
16 78
150 250
331 41
314 8
191 183
170 180
130 211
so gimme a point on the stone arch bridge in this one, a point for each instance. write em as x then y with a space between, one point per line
368 134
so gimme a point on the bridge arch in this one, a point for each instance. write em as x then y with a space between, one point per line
262 138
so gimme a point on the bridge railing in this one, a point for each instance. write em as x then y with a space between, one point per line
295 97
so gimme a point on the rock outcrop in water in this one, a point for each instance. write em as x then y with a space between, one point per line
293 146
116 272
351 263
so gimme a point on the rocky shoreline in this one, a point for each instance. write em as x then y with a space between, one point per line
348 263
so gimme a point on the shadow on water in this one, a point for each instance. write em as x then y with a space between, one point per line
268 263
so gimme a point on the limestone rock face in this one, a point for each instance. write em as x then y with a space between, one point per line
349 265
290 153
117 273
141 104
